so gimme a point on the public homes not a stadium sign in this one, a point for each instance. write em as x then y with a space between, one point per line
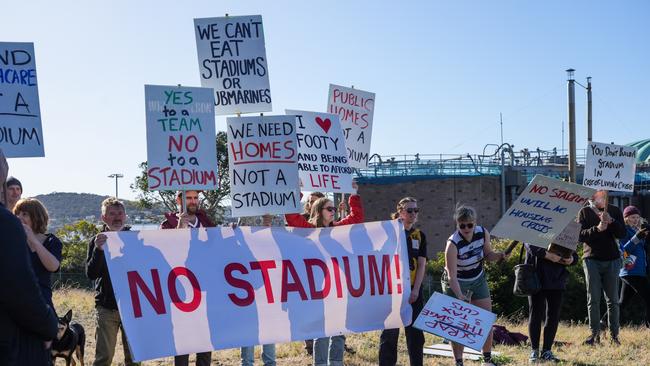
193 290
181 138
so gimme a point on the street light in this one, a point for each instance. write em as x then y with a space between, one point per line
116 176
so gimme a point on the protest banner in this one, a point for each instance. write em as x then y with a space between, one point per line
193 290
181 138
21 134
610 167
355 109
263 165
456 321
322 160
544 209
232 60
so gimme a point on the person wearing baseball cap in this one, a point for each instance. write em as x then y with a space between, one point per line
14 192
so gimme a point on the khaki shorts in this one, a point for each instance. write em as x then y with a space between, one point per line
479 287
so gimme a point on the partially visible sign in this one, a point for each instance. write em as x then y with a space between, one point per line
355 109
542 211
456 321
570 236
232 61
610 167
21 134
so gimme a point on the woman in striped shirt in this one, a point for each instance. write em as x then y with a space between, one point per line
464 277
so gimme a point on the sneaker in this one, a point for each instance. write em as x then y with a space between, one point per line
349 349
615 340
592 340
534 356
459 363
549 356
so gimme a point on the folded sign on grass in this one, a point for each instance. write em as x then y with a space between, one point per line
192 290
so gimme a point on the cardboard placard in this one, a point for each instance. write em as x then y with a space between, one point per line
610 167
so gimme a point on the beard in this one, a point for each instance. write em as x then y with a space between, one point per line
192 209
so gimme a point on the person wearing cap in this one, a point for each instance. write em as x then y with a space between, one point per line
191 217
14 192
633 272
602 224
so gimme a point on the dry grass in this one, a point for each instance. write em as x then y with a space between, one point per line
635 349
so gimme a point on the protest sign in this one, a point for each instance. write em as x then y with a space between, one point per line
181 138
232 60
21 134
193 290
610 167
322 159
456 321
263 166
570 236
355 109
544 209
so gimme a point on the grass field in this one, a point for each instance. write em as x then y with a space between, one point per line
635 348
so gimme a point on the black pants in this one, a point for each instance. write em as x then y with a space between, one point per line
636 285
414 341
544 306
202 359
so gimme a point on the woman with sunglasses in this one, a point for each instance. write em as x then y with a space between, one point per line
407 213
464 277
328 350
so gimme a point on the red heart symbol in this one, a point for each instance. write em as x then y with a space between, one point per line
325 125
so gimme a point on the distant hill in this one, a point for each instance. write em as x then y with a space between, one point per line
65 208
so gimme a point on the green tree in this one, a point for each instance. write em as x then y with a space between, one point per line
75 238
212 201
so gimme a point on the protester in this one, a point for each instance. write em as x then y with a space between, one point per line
407 212
14 192
27 323
328 350
633 273
467 248
313 196
602 224
268 350
191 217
45 248
107 315
545 305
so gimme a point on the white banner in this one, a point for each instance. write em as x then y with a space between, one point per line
322 160
355 109
193 290
21 134
544 209
232 60
610 167
456 321
263 165
181 138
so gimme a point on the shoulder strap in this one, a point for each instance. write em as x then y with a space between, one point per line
521 252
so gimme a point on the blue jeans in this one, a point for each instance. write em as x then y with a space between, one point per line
328 351
248 355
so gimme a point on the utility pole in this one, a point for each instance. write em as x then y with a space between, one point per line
572 125
589 120
116 176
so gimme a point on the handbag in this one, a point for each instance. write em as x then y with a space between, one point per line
526 280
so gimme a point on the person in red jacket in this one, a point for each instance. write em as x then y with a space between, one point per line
192 217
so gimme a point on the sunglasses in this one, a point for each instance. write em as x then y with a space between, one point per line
463 226
412 210
330 209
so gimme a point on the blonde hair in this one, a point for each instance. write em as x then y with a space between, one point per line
316 218
401 204
111 202
464 213
36 211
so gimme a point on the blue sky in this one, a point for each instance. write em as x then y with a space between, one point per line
441 71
